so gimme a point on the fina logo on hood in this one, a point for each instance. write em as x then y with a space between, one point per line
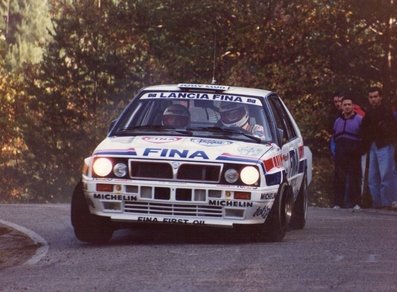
159 140
210 142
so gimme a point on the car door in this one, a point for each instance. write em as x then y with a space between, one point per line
289 140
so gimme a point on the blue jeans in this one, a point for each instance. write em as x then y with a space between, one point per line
381 178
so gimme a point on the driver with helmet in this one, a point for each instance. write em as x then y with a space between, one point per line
235 114
176 116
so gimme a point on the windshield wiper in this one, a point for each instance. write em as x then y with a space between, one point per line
233 130
139 128
152 128
209 129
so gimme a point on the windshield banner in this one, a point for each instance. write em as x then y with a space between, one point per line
201 96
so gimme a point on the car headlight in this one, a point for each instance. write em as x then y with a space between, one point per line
249 175
231 175
120 170
102 166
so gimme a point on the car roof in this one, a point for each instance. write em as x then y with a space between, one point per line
206 87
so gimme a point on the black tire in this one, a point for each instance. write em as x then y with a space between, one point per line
280 214
276 224
88 227
299 212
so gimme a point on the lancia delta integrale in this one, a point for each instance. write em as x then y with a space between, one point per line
199 155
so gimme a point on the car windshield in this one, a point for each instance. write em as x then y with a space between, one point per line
195 114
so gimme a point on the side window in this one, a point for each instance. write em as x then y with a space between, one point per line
280 128
285 128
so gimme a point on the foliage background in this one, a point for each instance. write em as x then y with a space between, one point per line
68 67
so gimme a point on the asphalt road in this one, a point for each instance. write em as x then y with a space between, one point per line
338 250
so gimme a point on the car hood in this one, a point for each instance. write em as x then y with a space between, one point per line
183 148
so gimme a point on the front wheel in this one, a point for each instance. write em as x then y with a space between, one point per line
298 219
276 224
88 227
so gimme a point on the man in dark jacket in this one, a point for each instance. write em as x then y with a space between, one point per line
378 133
347 156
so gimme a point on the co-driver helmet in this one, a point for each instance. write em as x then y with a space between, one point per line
176 116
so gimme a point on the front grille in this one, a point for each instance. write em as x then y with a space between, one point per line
146 169
166 170
179 194
149 208
199 172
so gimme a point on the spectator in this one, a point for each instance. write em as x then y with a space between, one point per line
378 134
347 156
337 101
337 98
358 110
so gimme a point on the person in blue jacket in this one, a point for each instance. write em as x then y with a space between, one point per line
347 156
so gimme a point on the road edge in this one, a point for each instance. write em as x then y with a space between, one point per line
37 239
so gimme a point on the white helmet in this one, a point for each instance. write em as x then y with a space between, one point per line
176 116
233 114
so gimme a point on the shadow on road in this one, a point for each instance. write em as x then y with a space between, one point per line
163 235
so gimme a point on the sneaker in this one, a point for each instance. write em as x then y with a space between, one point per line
336 207
394 205
356 207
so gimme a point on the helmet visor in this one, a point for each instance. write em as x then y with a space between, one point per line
232 116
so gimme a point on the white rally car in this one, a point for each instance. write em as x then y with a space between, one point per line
200 155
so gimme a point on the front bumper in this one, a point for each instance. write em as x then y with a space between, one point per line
145 201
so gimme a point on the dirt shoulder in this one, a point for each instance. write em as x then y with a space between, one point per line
15 247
